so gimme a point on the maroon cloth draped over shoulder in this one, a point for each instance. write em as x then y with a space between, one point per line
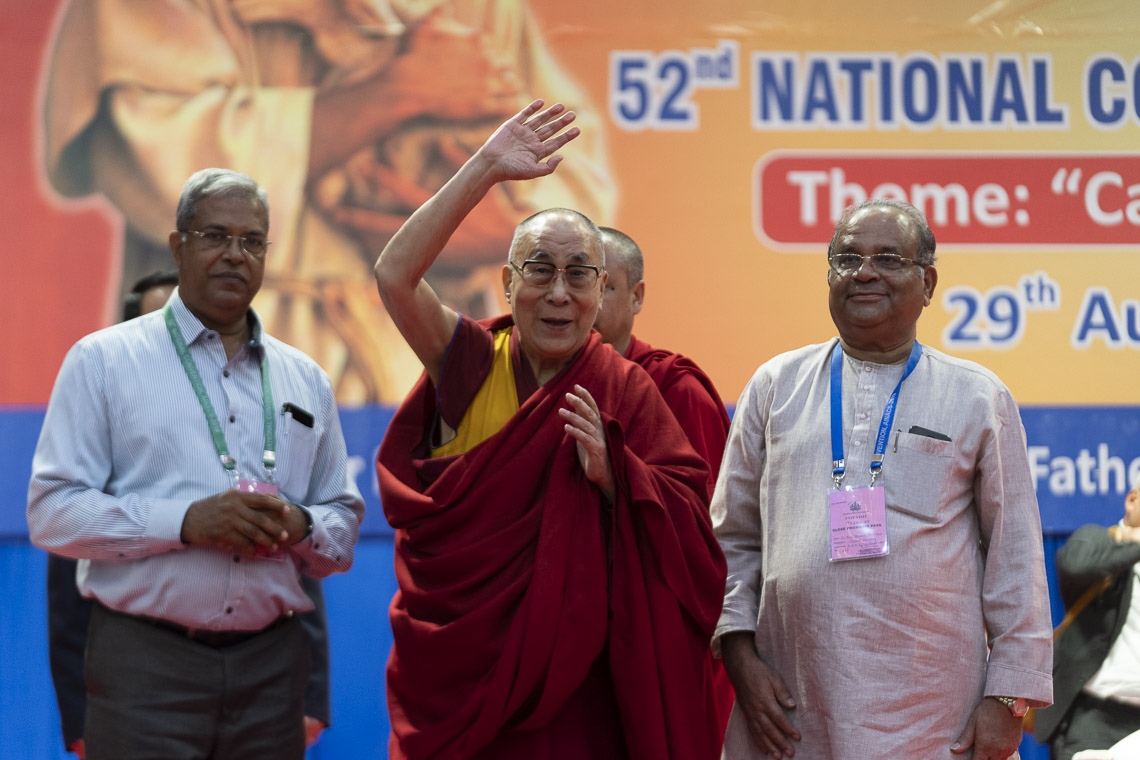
694 401
514 578
691 396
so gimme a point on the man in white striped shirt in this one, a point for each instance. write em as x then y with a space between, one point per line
197 466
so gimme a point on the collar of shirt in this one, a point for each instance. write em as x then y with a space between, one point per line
193 329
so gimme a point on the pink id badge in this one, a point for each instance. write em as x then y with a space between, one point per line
858 523
257 486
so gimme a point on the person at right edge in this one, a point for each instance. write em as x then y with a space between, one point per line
886 592
1096 665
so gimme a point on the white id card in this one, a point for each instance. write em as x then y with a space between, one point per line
858 523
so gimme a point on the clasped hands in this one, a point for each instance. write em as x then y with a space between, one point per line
251 524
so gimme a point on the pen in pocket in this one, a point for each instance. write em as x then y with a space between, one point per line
916 430
297 413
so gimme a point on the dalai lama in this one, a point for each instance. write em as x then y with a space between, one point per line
558 577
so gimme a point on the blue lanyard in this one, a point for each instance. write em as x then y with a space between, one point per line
838 465
269 456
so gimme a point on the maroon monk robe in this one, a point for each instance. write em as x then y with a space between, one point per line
691 396
694 401
515 580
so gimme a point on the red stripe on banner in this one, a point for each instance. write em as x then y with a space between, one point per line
1054 199
55 255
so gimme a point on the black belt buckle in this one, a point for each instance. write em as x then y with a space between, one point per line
219 639
216 639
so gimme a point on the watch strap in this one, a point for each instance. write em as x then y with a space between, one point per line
1017 706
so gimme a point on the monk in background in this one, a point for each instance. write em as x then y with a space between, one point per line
558 577
688 391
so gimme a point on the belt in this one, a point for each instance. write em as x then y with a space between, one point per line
1111 706
203 636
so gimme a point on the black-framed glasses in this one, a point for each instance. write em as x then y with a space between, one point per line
847 264
542 273
213 240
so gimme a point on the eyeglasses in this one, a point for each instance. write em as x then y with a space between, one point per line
541 274
847 264
215 241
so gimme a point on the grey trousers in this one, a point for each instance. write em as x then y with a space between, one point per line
153 694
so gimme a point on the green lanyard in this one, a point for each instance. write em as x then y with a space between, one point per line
269 456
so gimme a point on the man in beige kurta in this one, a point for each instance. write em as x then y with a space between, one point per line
350 113
931 649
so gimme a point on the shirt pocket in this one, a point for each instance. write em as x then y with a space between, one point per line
297 452
918 475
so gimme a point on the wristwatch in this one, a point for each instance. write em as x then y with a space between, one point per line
1018 706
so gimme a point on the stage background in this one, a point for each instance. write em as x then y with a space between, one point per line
726 134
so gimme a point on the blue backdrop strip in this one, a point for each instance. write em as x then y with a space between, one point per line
1084 460
19 431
